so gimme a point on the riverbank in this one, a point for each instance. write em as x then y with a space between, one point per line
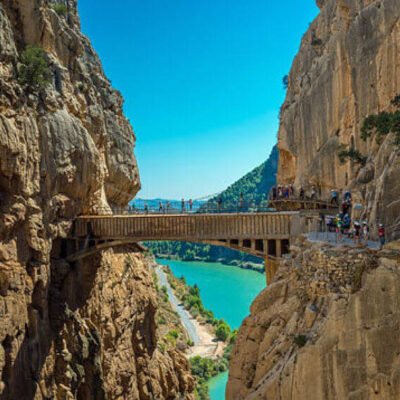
205 343
248 265
200 252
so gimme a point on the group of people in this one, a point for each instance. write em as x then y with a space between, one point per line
359 231
343 225
289 192
282 192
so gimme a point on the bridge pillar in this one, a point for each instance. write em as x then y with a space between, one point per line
278 248
271 265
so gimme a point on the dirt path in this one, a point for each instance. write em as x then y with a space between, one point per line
205 343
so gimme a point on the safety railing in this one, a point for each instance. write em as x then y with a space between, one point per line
186 210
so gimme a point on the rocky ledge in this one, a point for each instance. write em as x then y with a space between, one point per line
326 328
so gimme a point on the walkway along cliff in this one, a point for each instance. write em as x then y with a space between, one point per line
327 327
87 330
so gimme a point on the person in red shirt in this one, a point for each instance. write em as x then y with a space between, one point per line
381 234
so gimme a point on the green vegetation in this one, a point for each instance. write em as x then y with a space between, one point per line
300 340
205 368
255 187
382 124
187 251
34 71
60 9
315 41
170 331
223 330
351 154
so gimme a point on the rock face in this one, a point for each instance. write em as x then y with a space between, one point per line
326 328
348 67
82 331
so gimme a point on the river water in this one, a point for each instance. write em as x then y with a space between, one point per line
227 291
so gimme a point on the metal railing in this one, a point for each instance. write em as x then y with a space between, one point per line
186 210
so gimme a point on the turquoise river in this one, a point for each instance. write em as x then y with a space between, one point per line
227 291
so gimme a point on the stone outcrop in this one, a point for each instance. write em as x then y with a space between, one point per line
326 328
87 330
348 67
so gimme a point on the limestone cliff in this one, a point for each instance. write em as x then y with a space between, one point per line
84 331
348 68
326 328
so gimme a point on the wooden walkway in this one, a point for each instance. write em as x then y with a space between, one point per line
266 234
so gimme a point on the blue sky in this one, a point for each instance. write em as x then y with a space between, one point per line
202 82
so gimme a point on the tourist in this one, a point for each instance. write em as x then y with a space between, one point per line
345 207
302 193
280 192
168 206
160 207
339 226
241 200
219 203
291 190
347 196
313 193
274 193
382 236
357 232
286 192
334 197
146 208
365 232
346 223
190 205
183 205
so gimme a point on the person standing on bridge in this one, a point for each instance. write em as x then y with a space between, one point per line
357 232
190 205
146 208
168 206
241 202
273 192
382 236
160 207
302 193
365 232
183 205
334 197
219 203
313 193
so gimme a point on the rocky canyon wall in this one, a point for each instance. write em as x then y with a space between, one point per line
347 68
326 328
84 331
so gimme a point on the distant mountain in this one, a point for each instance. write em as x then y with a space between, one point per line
254 186
153 204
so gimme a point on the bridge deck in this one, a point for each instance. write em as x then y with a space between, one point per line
188 227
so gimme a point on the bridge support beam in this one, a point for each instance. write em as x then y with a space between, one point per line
271 265
278 248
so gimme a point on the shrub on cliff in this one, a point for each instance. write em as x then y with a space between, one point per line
223 330
354 155
382 124
60 9
34 71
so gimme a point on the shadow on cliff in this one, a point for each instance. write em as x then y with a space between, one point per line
52 321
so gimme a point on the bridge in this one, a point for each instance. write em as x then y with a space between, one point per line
263 234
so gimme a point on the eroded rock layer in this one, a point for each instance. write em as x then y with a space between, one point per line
326 328
84 331
348 68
